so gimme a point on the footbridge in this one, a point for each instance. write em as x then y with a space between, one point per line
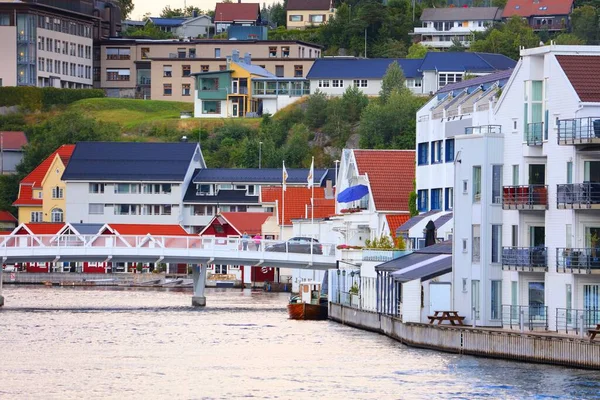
192 249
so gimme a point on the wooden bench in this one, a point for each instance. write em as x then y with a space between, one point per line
451 316
593 332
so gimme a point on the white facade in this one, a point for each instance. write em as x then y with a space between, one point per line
370 87
194 27
439 35
224 112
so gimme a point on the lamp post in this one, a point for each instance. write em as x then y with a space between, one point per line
259 155
337 162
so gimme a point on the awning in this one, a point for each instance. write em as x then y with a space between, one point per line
424 269
352 193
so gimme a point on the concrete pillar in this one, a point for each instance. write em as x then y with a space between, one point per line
199 276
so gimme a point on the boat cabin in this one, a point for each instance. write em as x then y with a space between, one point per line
310 292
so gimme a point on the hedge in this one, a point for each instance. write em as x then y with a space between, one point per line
34 98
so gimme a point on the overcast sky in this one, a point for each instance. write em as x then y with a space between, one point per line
154 7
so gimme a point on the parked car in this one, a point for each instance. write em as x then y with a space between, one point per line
9 268
297 244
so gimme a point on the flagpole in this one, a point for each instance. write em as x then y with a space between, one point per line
312 195
282 202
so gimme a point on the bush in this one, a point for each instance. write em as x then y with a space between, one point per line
37 99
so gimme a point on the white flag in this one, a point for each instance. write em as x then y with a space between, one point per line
285 176
311 174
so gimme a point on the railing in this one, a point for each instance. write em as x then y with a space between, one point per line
525 258
484 130
483 107
181 55
439 114
578 195
582 260
452 113
578 130
534 134
466 109
524 317
144 81
572 320
525 197
382 255
240 90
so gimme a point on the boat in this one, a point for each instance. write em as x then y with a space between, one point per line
309 304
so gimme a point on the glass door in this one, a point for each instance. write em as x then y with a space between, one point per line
536 300
537 174
591 304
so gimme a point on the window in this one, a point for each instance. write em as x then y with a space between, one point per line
222 67
570 172
436 199
57 46
181 52
449 150
298 71
57 66
96 188
65 47
447 78
476 184
436 152
49 65
41 43
211 107
422 200
167 71
423 154
186 70
118 74
57 192
496 243
167 89
449 198
295 18
57 215
476 243
4 20
185 89
72 49
204 68
497 184
272 51
126 209
145 52
475 304
125 188
464 245
515 175
202 210
285 51
217 53
323 83
360 83
37 216
40 63
496 300
316 19
338 83
96 209
279 71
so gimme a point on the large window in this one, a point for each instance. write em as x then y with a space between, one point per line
210 84
96 209
436 152
496 300
422 197
167 71
126 209
37 216
57 215
449 150
476 243
360 83
186 70
57 192
436 199
497 184
448 78
4 19
476 184
496 243
96 188
298 71
317 19
423 149
185 89
295 18
117 74
211 107
202 210
338 83
323 83
125 188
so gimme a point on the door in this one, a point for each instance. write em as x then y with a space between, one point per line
591 171
591 305
439 297
234 110
537 174
537 240
536 300
234 86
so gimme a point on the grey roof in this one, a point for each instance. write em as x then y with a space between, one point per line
414 220
259 176
462 14
485 81
442 220
87 229
127 161
225 197
417 256
444 247
435 265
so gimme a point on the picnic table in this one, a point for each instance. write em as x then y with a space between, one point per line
594 332
442 316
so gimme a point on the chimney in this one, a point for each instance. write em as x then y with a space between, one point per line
194 13
328 189
183 139
248 58
235 56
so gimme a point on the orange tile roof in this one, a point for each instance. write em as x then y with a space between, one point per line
249 222
323 208
528 8
35 177
13 140
5 216
296 201
395 221
577 68
391 175
45 228
152 229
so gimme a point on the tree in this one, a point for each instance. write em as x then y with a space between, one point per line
354 102
506 38
568 39
389 48
392 80
296 150
584 22
337 125
316 110
457 46
186 12
417 50
149 30
126 7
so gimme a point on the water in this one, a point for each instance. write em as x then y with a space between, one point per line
66 343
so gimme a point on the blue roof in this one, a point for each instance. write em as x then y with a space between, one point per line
255 175
129 161
167 21
465 61
485 81
361 68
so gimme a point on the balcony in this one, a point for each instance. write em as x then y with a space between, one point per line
576 131
578 196
578 261
525 259
529 317
484 130
382 255
527 197
534 134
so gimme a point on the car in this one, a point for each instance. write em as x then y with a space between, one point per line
9 268
297 244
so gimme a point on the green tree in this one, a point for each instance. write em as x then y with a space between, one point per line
337 125
506 38
389 48
168 12
584 23
316 110
417 50
392 80
149 30
296 150
412 201
354 102
126 7
457 46
568 39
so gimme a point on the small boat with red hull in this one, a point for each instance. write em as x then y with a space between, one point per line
308 304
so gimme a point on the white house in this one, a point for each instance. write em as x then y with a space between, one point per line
184 28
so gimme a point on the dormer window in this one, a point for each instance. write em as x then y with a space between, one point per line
204 190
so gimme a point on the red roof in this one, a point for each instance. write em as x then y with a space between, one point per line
249 222
43 228
5 216
577 69
148 229
395 221
296 201
309 5
35 177
13 140
323 208
230 12
529 8
391 175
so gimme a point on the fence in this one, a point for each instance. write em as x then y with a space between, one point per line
572 320
525 317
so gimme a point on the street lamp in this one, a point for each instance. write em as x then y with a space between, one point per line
259 155
336 172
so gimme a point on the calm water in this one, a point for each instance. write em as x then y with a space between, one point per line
67 343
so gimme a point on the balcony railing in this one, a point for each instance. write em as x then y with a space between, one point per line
382 255
483 130
578 195
526 317
525 197
579 130
571 320
581 260
526 259
534 134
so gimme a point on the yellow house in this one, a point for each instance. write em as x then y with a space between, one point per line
42 193
302 14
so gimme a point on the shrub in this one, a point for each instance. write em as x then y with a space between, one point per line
36 99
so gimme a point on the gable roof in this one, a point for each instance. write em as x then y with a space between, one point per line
361 68
271 176
128 161
254 69
237 12
441 221
405 227
249 222
5 216
308 5
465 62
13 140
461 14
395 221
501 76
148 229
391 175
87 229
297 199
577 69
40 228
529 8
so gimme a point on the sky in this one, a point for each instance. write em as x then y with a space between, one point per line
154 7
